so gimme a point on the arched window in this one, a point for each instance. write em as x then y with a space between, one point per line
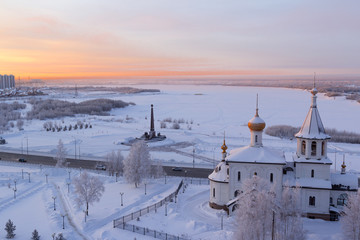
236 193
227 170
313 148
303 146
342 199
256 138
311 201
255 173
239 176
323 148
312 173
271 177
331 200
213 192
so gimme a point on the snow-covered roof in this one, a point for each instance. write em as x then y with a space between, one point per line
343 181
256 155
220 173
290 180
313 127
302 159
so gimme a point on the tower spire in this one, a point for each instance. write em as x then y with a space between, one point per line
257 105
314 79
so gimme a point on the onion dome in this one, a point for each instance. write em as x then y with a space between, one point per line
256 123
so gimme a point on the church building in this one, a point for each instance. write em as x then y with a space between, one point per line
322 193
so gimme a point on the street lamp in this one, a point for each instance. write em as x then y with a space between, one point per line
15 183
165 177
29 176
145 187
22 173
63 217
68 184
166 208
14 192
193 157
54 197
69 171
121 194
46 176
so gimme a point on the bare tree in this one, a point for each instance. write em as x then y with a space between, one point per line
157 170
60 154
137 165
88 189
115 162
350 221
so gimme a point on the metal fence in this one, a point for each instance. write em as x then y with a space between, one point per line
198 181
122 220
150 232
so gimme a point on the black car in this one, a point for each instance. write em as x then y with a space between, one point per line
22 160
178 169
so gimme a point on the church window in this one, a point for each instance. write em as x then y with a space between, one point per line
323 148
331 200
227 171
342 199
213 192
303 146
312 201
239 176
236 193
255 173
313 148
271 177
256 138
312 173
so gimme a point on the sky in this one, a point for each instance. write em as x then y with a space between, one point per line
151 39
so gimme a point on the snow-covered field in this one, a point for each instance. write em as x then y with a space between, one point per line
209 110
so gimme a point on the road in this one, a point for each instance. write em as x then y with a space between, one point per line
90 164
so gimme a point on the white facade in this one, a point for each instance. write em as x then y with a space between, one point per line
321 194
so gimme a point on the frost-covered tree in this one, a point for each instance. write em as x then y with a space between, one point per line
350 220
35 235
255 209
88 189
115 162
60 154
137 164
289 224
19 124
60 237
10 228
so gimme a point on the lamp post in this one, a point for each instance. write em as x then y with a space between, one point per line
166 208
69 171
54 197
193 156
63 218
29 176
165 177
68 184
46 177
22 173
121 194
15 182
145 187
14 192
85 212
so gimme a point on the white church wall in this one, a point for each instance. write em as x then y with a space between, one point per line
322 199
321 171
221 193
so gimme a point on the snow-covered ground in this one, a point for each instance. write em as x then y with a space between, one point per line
209 110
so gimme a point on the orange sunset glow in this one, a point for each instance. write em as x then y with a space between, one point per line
161 39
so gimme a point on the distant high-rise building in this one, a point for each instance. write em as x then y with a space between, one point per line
7 81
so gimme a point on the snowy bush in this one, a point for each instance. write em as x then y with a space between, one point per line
50 108
115 162
175 126
60 237
285 131
162 125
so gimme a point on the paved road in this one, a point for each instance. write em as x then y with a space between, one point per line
90 164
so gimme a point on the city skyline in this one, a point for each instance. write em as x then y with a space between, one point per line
178 39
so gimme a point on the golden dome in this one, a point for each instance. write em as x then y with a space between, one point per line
224 147
256 123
